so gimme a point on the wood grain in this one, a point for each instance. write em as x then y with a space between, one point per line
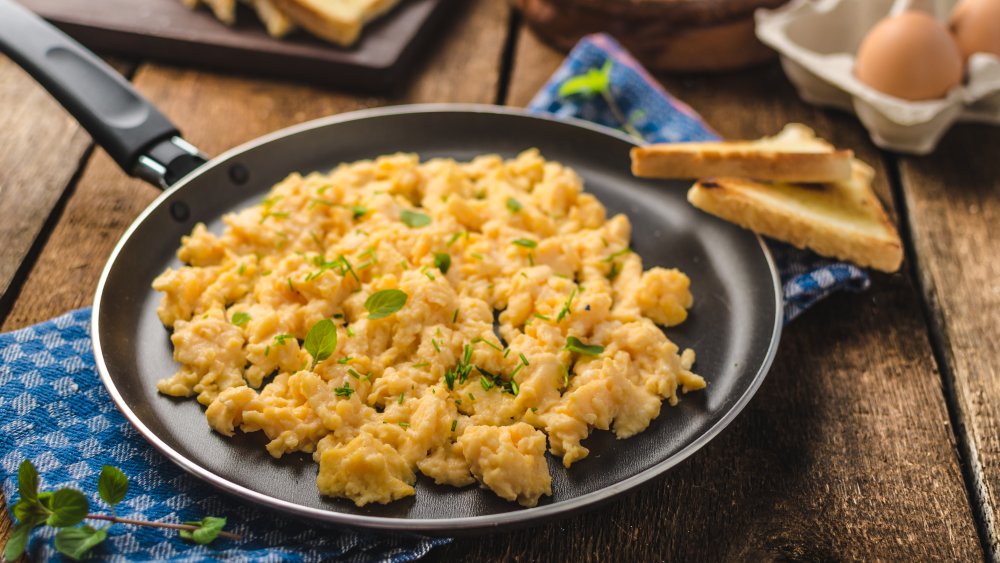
953 203
846 451
40 149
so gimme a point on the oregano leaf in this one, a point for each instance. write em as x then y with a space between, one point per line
112 485
321 342
383 303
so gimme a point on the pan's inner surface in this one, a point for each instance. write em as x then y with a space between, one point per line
731 326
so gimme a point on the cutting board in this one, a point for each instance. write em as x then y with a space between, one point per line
167 31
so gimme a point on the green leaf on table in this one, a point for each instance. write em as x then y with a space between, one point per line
321 342
442 261
17 542
573 344
414 219
112 485
76 543
594 81
208 530
383 303
27 481
68 507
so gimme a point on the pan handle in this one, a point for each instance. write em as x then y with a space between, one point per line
138 137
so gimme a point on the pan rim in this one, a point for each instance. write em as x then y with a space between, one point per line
437 526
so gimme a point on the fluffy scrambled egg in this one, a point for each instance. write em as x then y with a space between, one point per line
526 315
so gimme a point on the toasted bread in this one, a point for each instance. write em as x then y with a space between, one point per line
844 220
793 155
339 21
224 10
278 24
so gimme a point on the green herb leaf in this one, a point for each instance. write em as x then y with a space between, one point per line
112 485
573 344
76 543
69 507
526 243
513 205
27 481
241 318
344 391
567 307
208 530
454 423
17 541
414 219
383 303
321 341
442 261
30 511
595 81
359 211
279 339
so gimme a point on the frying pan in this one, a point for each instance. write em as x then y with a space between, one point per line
734 324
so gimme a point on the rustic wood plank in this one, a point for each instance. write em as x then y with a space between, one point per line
953 203
215 112
846 451
40 150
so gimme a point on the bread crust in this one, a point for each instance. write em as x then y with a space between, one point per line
740 159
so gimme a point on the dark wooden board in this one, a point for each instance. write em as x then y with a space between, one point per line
165 30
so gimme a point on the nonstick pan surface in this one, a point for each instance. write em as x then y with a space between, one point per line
734 325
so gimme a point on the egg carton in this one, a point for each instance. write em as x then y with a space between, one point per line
817 41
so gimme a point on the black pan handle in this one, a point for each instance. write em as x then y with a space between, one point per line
136 135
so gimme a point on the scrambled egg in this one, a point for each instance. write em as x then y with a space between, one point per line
526 315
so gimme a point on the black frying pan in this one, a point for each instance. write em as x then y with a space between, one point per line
734 325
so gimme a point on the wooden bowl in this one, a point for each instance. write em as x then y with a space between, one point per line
665 35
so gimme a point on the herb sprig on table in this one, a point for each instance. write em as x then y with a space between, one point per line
65 508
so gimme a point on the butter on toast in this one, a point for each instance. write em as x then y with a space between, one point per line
844 220
793 155
339 21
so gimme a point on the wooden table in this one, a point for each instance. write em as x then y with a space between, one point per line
876 434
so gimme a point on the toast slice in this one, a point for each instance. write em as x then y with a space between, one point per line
338 21
278 24
224 10
793 155
844 220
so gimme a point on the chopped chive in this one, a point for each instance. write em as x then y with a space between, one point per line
513 205
436 347
241 269
421 365
240 319
472 397
454 317
506 353
358 211
476 255
404 424
350 331
343 361
344 391
454 238
454 423
542 317
621 252
400 401
524 242
267 350
523 359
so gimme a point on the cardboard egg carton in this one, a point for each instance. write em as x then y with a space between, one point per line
817 41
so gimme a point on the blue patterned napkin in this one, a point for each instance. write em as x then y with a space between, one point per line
55 412
641 107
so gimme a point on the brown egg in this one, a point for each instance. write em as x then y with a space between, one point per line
910 56
976 26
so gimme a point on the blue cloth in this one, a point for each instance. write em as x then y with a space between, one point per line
55 412
652 113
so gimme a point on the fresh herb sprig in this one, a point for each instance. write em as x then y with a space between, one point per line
321 342
65 508
598 82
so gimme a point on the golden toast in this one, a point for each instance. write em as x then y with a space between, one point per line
793 155
844 220
338 21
